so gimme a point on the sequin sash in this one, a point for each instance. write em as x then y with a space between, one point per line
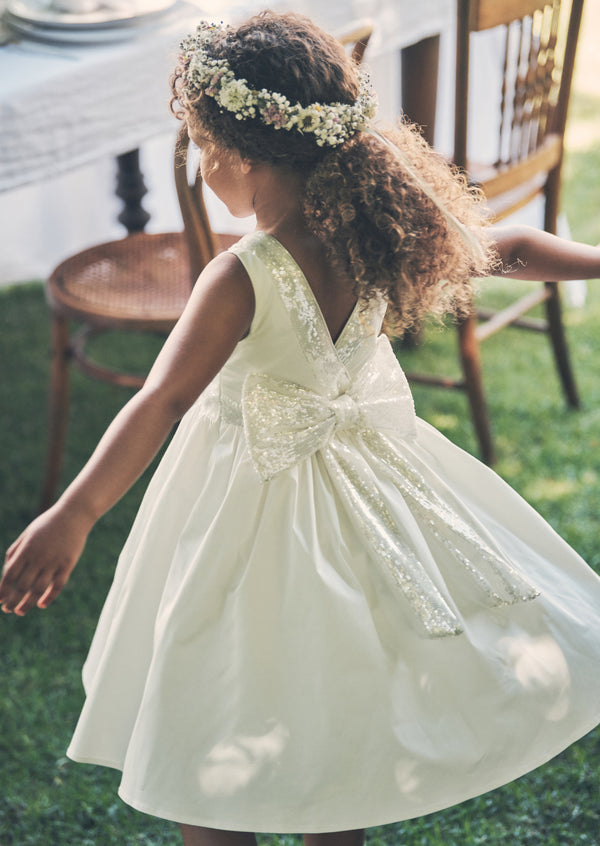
358 423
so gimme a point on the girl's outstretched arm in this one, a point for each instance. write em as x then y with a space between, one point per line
217 316
528 253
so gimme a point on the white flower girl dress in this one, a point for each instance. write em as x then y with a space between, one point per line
326 615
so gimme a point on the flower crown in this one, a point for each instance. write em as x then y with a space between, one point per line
331 123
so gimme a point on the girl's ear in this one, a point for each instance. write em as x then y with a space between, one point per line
246 166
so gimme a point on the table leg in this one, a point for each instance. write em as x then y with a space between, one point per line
420 65
131 189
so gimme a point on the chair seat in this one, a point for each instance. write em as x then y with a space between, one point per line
142 281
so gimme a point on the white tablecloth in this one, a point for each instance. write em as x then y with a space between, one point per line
65 111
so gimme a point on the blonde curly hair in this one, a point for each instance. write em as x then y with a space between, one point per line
379 226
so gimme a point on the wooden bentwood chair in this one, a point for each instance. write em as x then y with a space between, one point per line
140 283
540 40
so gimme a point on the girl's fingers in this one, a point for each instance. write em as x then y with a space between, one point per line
22 599
9 576
27 603
12 600
26 576
50 595
44 593
11 572
20 581
30 597
24 606
14 546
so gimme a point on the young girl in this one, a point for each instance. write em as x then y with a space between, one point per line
326 616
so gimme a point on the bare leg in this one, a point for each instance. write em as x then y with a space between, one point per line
195 835
336 838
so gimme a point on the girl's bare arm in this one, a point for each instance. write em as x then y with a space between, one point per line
528 253
218 315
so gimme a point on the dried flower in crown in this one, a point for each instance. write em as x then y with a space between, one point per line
330 123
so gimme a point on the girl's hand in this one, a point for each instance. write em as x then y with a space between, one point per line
40 561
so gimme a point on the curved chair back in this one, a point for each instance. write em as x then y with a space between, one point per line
201 242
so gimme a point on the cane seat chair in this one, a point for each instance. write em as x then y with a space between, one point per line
539 45
140 283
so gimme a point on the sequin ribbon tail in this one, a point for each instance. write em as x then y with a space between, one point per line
286 423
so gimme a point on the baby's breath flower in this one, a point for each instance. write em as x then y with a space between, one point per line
232 96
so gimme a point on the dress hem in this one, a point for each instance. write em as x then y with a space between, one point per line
347 824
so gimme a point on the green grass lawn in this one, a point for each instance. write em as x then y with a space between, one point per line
549 454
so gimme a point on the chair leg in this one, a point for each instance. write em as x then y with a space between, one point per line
558 339
556 327
58 409
471 366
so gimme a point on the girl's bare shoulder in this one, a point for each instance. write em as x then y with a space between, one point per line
225 279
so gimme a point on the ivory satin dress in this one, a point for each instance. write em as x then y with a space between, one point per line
327 616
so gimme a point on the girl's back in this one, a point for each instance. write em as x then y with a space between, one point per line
331 288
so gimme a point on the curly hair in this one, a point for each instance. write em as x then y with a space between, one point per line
382 230
377 224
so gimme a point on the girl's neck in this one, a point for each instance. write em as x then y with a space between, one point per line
278 205
278 202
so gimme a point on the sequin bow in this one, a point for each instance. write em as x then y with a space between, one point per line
286 423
